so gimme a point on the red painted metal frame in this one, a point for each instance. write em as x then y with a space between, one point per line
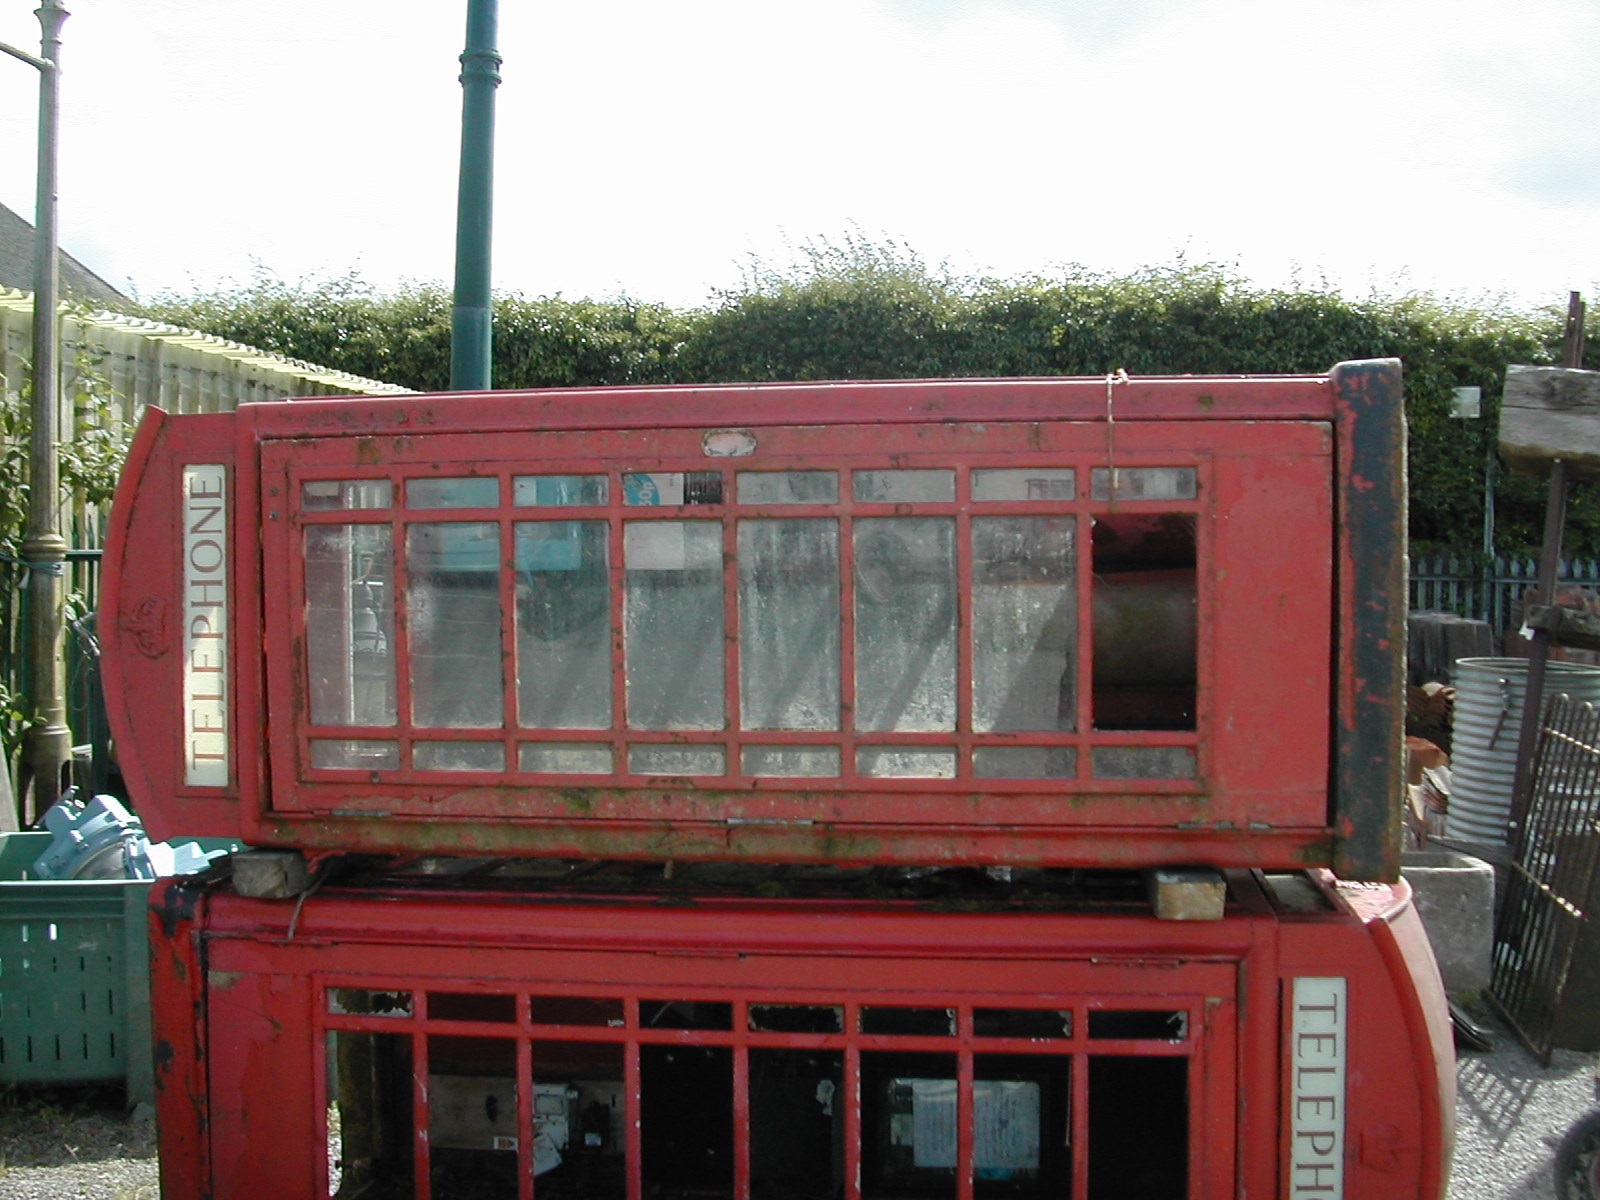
241 1013
1255 806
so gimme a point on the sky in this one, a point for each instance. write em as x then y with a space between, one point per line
656 148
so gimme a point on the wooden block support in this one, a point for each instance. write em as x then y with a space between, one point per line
1186 893
269 874
1549 413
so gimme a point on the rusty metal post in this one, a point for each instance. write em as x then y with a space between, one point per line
1555 519
48 747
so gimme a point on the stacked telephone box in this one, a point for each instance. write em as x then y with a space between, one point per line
867 790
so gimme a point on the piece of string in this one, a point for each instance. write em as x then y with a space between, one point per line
1120 375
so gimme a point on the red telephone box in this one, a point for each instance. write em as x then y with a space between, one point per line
680 767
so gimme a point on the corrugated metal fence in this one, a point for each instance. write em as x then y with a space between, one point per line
144 364
1490 591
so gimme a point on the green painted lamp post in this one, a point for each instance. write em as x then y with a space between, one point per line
472 320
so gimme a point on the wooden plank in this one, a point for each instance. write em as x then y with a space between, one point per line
1549 413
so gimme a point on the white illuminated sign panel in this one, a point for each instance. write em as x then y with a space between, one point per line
1318 1042
205 625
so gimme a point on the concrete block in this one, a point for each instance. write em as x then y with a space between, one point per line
1186 893
1455 898
269 874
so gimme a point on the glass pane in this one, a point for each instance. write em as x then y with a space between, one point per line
475 492
666 488
908 1124
903 762
789 624
472 1116
1146 623
677 760
354 754
904 487
793 761
350 624
323 495
565 758
1145 483
579 1121
458 756
453 606
559 491
563 599
1025 483
673 624
370 1124
1144 762
1020 1135
788 487
1025 762
365 1002
1024 623
905 614
795 1107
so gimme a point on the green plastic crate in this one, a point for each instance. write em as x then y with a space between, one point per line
74 975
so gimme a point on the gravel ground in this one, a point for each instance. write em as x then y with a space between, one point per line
1509 1116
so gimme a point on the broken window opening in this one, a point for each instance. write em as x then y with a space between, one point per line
1145 616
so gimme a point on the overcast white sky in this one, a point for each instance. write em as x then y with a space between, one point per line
651 146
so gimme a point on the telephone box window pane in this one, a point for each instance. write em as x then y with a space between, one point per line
458 756
686 1120
1025 762
559 491
654 489
677 760
788 487
580 1120
354 754
1146 623
904 487
323 495
796 1101
565 758
1024 483
365 1002
453 605
789 624
1035 1024
902 762
563 599
602 1011
1138 1127
472 1116
908 1124
673 624
1024 623
371 1127
1144 762
350 624
1144 483
472 1006
905 616
790 761
472 492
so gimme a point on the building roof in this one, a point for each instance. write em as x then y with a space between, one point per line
16 265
